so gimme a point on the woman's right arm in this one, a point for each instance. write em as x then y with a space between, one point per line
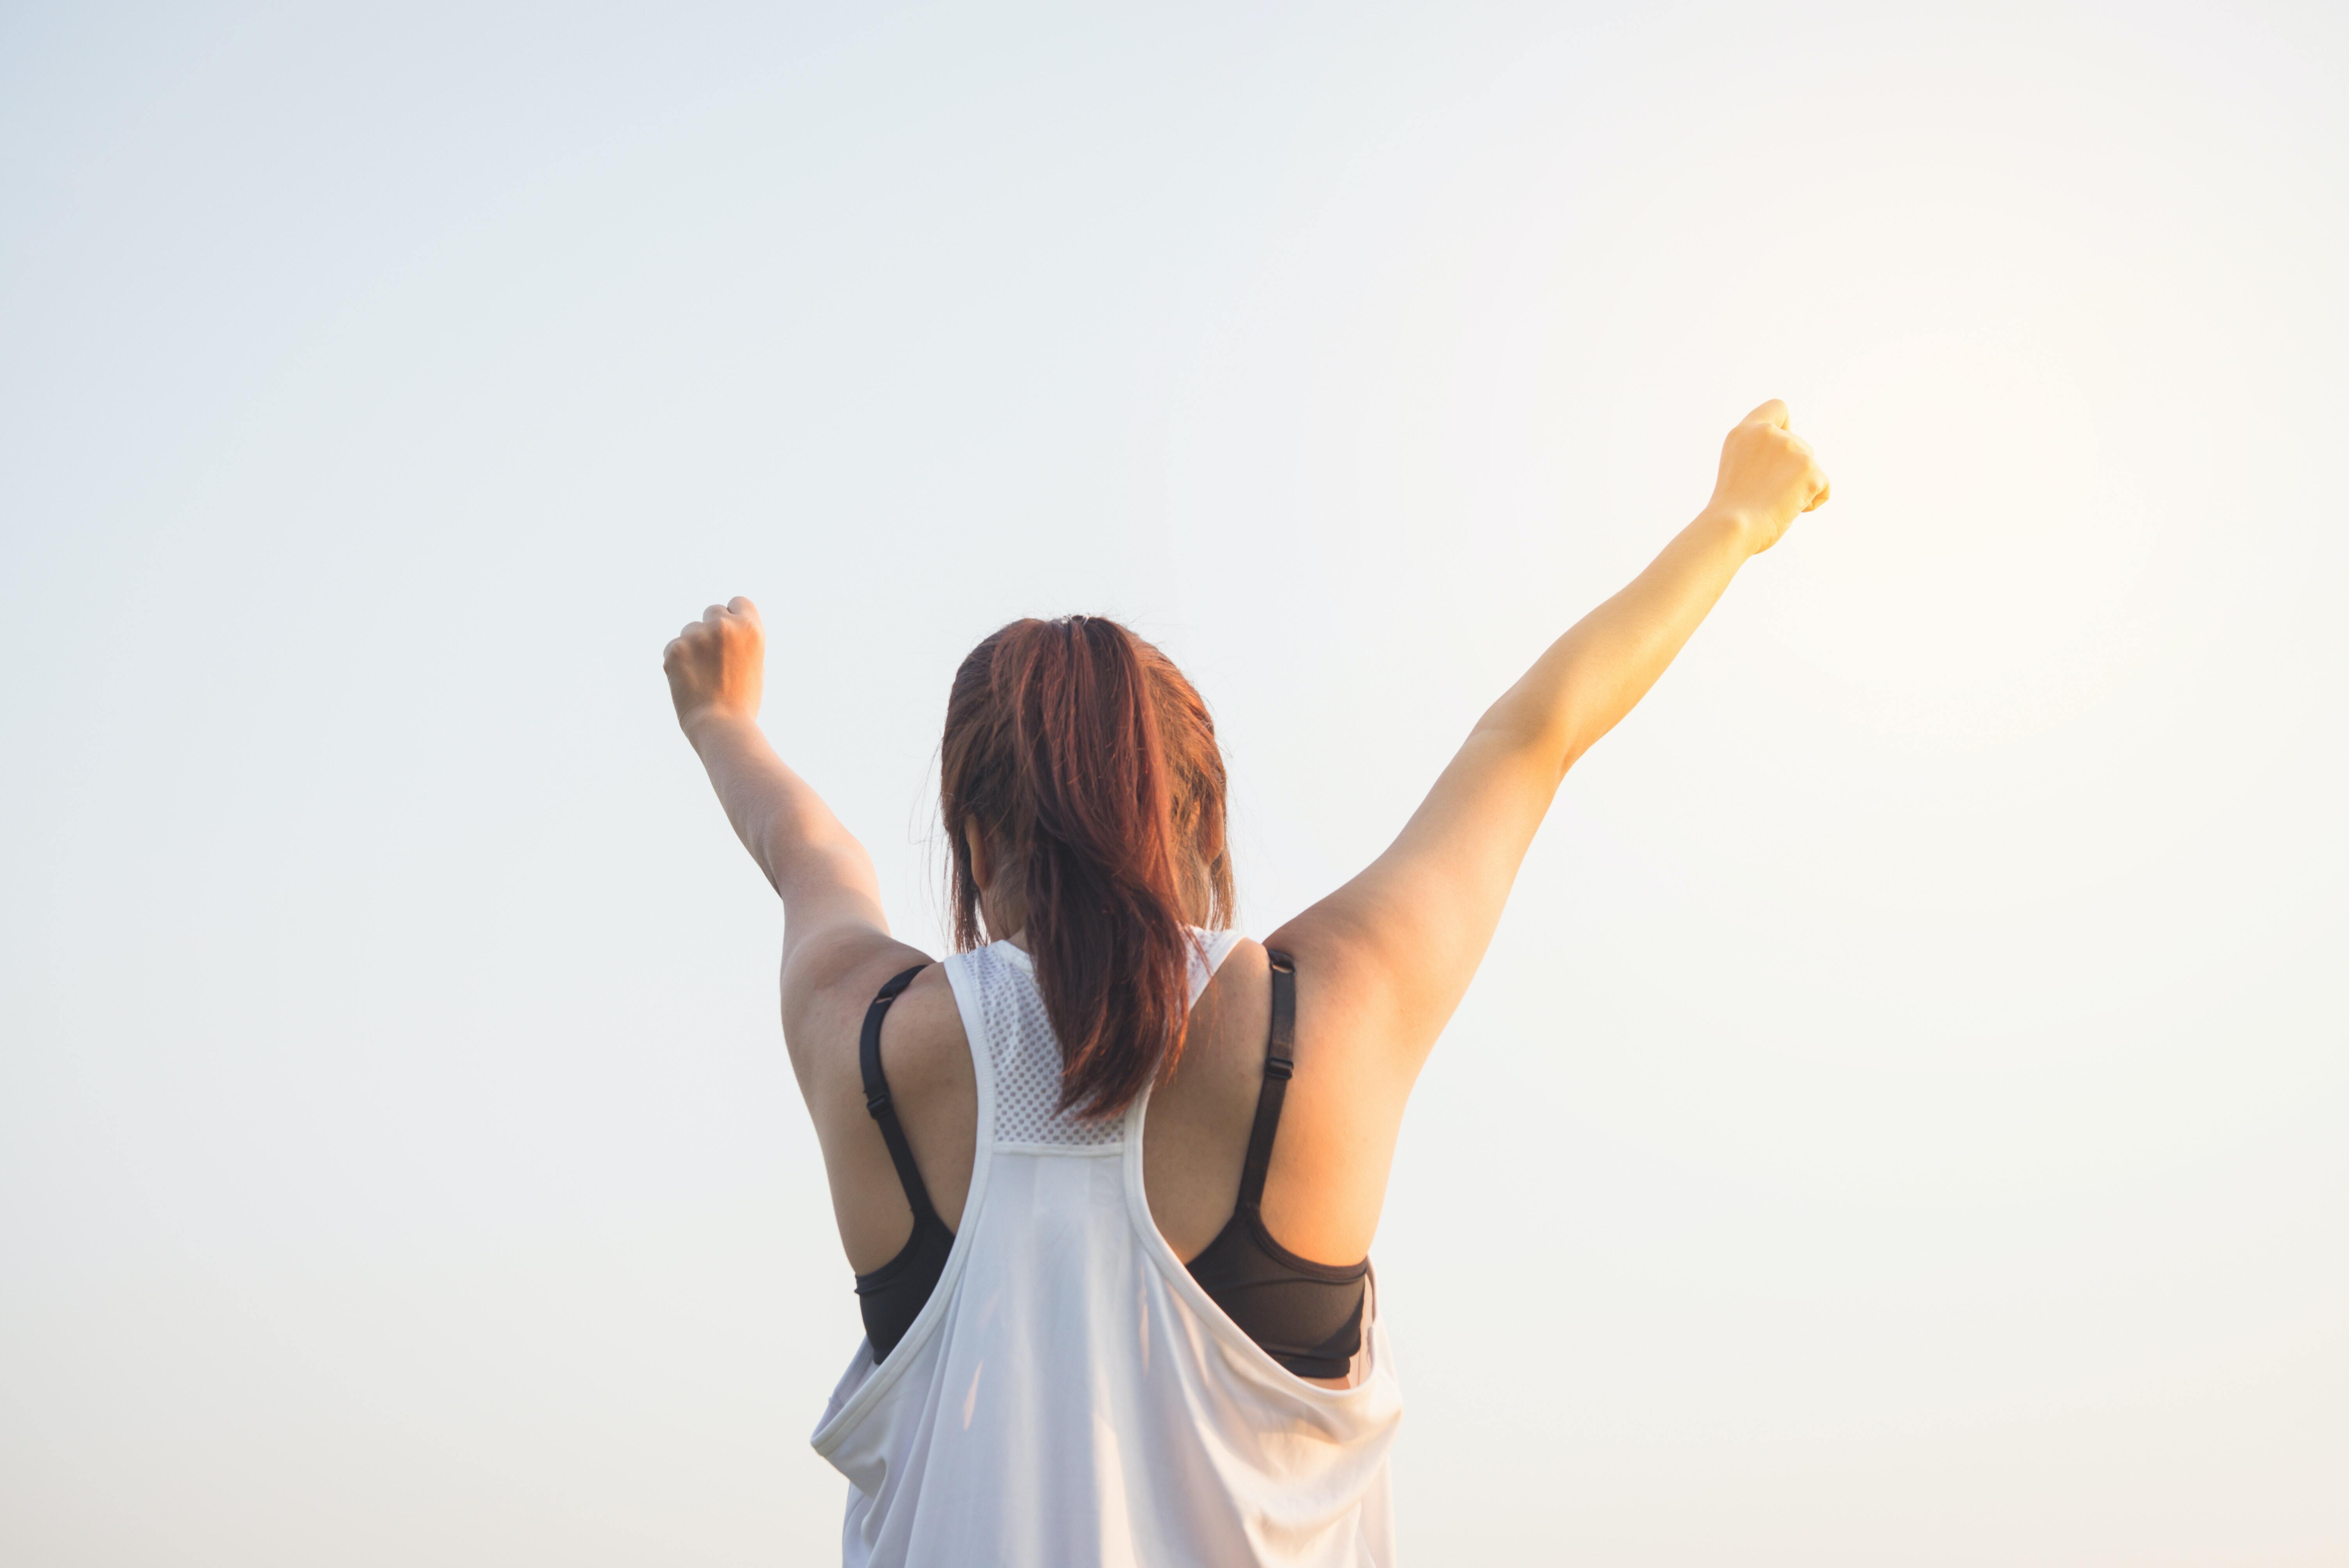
1393 951
834 934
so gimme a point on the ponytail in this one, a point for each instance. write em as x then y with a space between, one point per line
1088 766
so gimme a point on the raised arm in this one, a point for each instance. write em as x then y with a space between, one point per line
1398 945
832 899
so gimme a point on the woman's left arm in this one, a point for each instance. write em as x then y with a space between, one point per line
1402 940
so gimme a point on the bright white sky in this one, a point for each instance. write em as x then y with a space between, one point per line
1900 1119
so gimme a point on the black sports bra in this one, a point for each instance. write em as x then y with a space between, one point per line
1306 1316
892 1296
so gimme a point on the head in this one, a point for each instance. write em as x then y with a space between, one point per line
1083 797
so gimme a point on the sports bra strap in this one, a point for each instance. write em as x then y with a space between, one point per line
877 1098
1279 1062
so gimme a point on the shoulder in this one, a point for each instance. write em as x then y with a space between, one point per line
924 1043
830 983
1239 996
1355 999
1222 1058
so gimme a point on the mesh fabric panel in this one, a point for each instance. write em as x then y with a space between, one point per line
1026 1055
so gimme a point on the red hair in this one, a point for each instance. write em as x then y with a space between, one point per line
1088 766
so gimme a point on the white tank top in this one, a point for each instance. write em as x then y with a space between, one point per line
1069 1394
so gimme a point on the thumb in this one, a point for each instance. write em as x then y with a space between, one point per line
1773 412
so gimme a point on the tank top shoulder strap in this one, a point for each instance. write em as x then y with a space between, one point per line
1207 955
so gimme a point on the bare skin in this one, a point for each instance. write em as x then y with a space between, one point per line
1382 962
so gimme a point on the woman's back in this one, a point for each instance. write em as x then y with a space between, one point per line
1070 1393
1201 1114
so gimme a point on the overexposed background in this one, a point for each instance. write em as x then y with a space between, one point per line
1902 1117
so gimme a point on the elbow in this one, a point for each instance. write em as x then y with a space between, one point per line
1549 742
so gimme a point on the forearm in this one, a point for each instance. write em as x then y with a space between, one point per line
793 835
1598 672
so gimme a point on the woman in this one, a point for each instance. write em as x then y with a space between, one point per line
1083 1344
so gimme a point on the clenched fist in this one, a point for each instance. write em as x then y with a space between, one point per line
1768 476
718 665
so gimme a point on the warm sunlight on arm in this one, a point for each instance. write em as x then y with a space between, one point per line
1410 932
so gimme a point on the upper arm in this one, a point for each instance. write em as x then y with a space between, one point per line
836 944
837 951
828 981
831 893
1391 953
